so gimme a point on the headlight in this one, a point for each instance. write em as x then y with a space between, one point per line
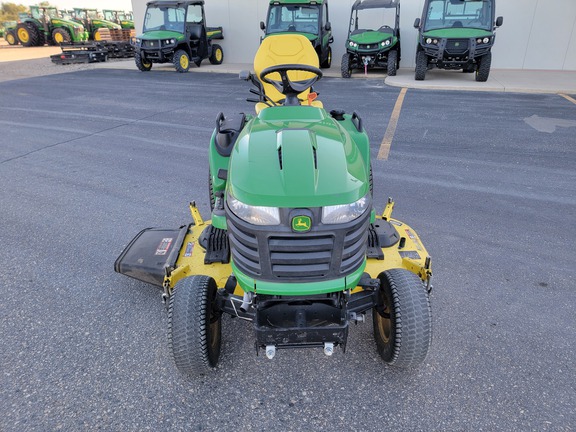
138 40
486 40
256 215
429 41
345 212
387 42
172 40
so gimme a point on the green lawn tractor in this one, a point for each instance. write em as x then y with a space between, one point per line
456 34
377 45
306 17
294 245
125 20
10 32
176 32
45 25
92 21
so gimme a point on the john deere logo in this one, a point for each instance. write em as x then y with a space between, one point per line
457 44
301 224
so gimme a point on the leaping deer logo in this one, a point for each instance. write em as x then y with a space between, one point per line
301 223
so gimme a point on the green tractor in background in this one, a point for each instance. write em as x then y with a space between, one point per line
306 17
125 20
10 32
176 32
367 48
92 21
45 25
456 34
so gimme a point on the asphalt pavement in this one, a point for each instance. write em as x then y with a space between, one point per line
88 159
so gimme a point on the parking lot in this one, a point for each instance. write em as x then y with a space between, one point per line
88 159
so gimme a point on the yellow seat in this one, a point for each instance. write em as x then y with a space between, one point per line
285 49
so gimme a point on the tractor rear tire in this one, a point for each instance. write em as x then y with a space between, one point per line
60 35
194 325
142 64
217 56
392 62
483 70
181 61
328 62
421 66
11 37
402 319
28 34
345 68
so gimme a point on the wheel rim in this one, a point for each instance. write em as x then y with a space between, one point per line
23 35
58 38
10 39
218 55
329 57
97 36
184 62
146 64
384 322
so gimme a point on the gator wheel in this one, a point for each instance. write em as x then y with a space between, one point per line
11 38
181 61
483 70
421 66
328 62
59 35
392 62
402 319
28 35
141 63
217 56
194 325
345 68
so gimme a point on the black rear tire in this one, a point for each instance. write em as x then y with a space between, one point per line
194 325
345 68
483 70
421 66
28 34
392 62
328 62
141 63
402 319
217 56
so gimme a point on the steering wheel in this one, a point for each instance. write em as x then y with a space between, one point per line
288 87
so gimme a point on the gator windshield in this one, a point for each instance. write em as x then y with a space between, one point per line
443 14
164 18
302 19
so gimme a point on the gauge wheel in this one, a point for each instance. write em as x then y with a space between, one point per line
402 319
194 325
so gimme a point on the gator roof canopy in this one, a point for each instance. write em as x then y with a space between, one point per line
374 4
297 2
174 3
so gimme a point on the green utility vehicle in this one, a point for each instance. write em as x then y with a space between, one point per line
125 20
175 32
367 48
45 25
92 21
306 17
456 34
294 245
10 32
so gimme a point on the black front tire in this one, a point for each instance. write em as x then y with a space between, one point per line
483 70
421 66
141 63
402 319
181 61
11 37
328 62
217 56
345 68
194 325
392 62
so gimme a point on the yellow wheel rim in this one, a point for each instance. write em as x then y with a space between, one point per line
10 39
97 36
184 62
23 35
58 38
218 55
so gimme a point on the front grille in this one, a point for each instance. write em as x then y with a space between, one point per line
278 254
456 46
151 44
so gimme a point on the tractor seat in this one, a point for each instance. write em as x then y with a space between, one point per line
285 49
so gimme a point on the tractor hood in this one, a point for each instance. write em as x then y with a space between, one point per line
460 33
59 22
370 37
296 157
103 23
161 34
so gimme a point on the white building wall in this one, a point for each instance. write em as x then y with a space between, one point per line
537 34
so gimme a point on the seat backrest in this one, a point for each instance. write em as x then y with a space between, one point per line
285 49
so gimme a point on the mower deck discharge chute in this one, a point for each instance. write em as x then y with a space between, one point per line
293 245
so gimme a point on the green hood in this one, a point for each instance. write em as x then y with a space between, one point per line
296 157
161 34
370 37
103 23
67 23
458 33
